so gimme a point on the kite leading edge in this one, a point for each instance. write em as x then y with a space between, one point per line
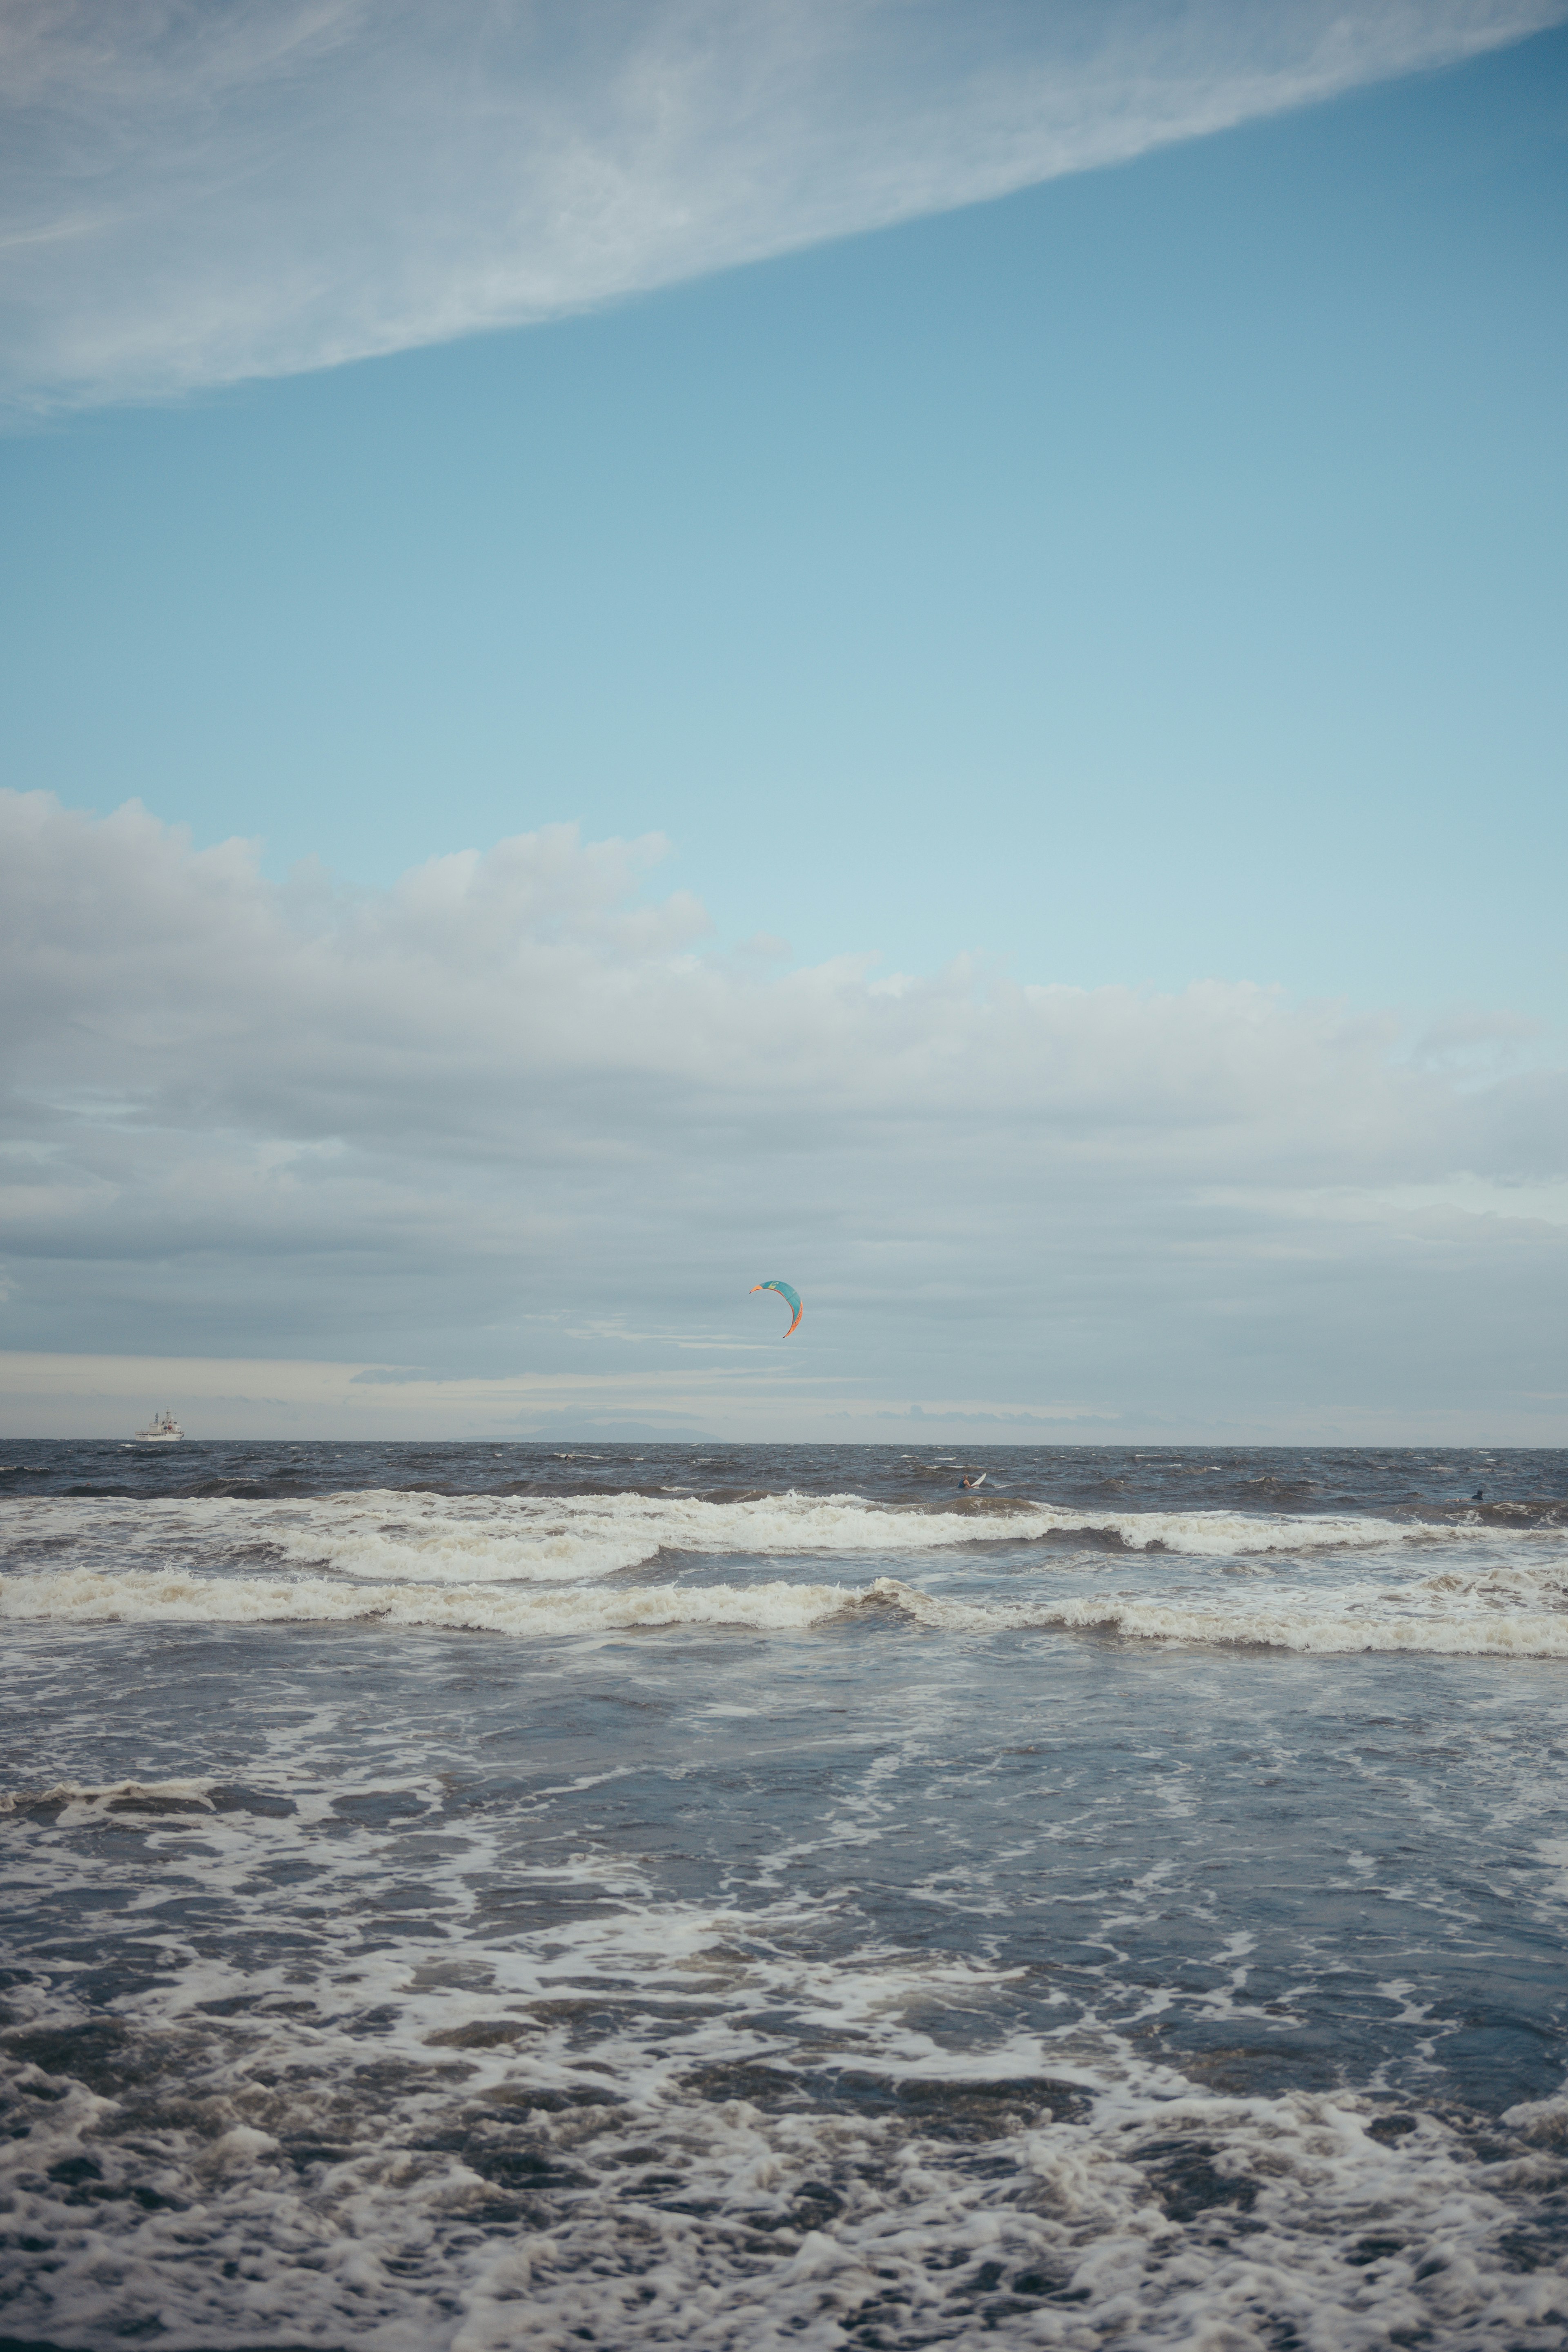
790 1296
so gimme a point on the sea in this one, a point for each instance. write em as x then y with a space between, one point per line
472 1896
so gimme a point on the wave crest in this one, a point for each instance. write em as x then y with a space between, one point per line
381 1537
1338 1621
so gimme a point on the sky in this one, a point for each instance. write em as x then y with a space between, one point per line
910 647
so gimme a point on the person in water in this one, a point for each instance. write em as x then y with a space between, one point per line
969 1480
1479 1495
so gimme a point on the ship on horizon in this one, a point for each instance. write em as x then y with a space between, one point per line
161 1430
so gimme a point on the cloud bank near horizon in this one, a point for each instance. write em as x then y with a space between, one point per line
513 1121
196 192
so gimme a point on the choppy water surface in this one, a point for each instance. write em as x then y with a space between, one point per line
468 1898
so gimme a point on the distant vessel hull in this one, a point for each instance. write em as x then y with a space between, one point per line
163 1430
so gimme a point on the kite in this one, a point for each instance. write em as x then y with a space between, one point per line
791 1298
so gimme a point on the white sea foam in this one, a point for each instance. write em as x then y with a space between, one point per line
601 2132
196 1795
1439 1618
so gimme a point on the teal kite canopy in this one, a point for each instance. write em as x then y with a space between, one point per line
784 1292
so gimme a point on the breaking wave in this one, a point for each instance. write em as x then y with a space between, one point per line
1445 1616
380 1536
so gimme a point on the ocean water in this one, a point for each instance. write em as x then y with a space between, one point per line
468 1898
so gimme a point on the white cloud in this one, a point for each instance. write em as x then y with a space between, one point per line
509 1122
198 191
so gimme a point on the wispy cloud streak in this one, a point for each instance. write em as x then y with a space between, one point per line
199 191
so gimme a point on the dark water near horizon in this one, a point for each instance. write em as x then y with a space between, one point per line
477 1896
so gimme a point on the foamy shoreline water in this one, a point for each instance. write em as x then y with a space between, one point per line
809 1910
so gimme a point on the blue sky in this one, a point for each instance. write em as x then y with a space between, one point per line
1148 577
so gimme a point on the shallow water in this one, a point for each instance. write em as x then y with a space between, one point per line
472 1897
